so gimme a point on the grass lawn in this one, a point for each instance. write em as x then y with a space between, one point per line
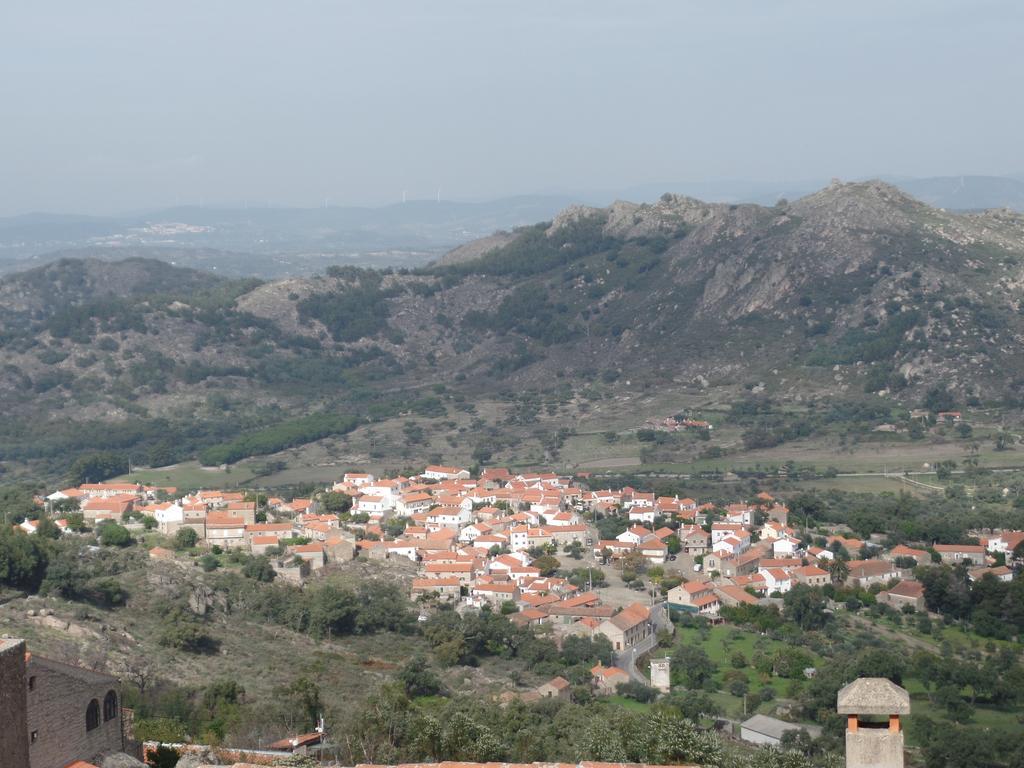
625 703
984 717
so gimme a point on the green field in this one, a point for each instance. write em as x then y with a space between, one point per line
190 474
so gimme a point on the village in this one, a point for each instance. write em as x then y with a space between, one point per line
528 545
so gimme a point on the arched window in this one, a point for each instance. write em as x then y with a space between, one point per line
109 706
92 715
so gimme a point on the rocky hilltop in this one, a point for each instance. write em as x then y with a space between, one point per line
857 282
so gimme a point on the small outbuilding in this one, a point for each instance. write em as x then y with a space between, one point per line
761 729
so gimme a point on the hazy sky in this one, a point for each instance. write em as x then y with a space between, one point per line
111 106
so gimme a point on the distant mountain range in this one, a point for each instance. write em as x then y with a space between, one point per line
269 242
282 242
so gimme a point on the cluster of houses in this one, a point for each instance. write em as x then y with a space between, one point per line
477 541
777 562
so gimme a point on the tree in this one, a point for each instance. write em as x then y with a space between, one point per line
693 705
805 607
182 630
547 564
96 467
209 562
47 529
114 535
185 538
75 521
23 559
336 503
938 399
332 611
636 691
259 569
418 678
839 570
693 666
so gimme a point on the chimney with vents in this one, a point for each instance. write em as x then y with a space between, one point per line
874 734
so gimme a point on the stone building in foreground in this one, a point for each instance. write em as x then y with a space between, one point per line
874 733
54 714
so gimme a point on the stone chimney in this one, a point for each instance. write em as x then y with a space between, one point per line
13 703
874 734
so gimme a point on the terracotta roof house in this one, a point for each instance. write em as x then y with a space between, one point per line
905 593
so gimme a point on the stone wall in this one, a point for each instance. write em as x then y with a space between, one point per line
58 700
13 704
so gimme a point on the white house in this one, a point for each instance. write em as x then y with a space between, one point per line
169 518
358 479
634 535
449 517
435 472
642 515
407 549
374 505
785 546
563 519
776 580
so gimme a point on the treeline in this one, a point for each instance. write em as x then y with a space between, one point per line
327 610
902 517
275 438
952 684
392 729
993 608
68 568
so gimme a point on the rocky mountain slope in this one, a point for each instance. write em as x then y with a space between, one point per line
855 288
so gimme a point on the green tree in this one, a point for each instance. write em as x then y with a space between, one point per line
114 535
23 559
336 503
418 678
838 570
96 467
181 629
693 666
805 607
259 569
185 538
547 564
